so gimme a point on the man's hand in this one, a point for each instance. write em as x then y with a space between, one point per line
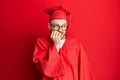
56 37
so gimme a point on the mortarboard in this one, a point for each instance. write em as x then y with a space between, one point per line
59 12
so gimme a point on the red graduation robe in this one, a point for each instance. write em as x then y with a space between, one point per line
70 63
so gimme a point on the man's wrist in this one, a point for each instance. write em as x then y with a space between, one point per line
57 46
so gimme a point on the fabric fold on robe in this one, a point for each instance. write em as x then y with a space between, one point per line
50 64
70 63
85 72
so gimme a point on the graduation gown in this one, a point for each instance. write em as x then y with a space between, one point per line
70 63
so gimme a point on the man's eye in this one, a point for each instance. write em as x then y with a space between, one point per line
57 25
54 25
64 26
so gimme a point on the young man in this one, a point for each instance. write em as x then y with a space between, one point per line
61 57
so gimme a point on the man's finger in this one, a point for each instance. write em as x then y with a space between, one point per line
51 35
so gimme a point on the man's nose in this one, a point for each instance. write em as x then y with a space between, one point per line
60 29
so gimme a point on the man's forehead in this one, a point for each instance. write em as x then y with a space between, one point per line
58 21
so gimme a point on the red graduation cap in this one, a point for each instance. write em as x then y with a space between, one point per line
59 12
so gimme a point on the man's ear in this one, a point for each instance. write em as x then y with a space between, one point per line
49 26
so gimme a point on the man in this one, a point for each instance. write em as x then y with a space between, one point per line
61 57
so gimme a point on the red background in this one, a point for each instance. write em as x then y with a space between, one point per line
95 22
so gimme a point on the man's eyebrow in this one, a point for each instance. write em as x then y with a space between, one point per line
58 24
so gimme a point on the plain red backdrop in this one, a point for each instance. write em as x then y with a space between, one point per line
95 22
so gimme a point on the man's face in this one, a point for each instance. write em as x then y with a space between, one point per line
58 25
